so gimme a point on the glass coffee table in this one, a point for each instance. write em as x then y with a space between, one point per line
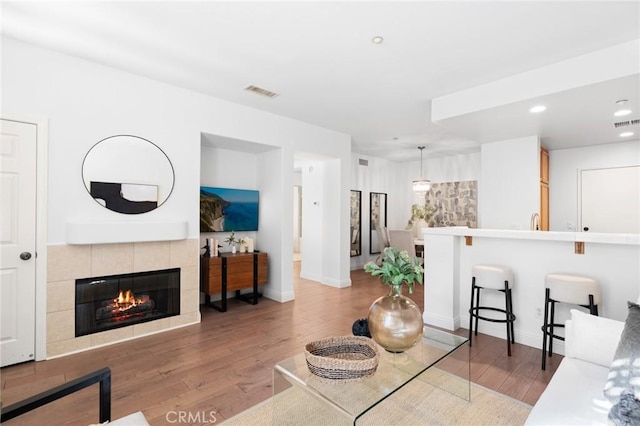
439 360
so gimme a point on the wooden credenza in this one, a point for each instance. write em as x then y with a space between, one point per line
233 271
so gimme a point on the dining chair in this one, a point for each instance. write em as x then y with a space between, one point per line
402 240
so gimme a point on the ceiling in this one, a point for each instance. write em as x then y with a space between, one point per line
320 60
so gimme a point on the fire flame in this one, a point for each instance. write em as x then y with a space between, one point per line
126 300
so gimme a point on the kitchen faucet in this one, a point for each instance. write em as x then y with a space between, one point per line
535 222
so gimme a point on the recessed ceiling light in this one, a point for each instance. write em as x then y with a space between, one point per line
626 134
622 101
538 108
377 40
622 112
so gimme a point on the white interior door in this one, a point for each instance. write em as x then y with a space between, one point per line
17 241
610 200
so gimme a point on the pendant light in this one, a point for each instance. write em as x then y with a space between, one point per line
421 185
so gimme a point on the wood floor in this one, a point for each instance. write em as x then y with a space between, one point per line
224 364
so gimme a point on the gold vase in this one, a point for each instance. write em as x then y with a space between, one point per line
395 321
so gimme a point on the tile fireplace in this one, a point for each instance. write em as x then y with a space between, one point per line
67 264
114 301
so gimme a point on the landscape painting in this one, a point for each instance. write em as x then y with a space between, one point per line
226 210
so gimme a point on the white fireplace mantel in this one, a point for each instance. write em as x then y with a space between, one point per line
124 232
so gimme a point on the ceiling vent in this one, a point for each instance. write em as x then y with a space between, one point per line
626 123
363 162
260 91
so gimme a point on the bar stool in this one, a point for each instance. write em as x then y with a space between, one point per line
566 288
492 277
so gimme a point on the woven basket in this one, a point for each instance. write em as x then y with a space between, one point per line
342 358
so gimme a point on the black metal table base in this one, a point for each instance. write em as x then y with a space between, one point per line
250 298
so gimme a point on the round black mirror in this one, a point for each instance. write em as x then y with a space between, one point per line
128 174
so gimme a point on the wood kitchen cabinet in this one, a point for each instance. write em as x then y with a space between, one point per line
233 271
544 189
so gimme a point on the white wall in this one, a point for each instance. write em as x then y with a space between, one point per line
85 102
220 168
335 246
509 188
379 175
276 220
564 170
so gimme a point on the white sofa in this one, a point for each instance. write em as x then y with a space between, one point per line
135 419
575 394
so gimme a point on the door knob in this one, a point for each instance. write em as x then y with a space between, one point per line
25 255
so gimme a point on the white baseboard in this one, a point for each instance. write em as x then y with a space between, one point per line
326 281
448 323
278 296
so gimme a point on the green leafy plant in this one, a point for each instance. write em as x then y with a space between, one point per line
397 268
420 212
231 239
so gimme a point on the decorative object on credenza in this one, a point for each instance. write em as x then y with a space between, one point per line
344 358
250 244
211 247
360 327
395 321
242 245
232 241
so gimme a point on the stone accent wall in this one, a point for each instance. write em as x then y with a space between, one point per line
454 204
66 263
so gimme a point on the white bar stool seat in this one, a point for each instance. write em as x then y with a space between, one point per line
566 288
496 278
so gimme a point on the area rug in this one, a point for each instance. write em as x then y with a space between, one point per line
417 403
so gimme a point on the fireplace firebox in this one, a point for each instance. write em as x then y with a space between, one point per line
105 303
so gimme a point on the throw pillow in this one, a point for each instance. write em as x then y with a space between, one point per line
627 411
624 373
585 332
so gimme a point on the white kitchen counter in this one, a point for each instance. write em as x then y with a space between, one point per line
612 259
627 239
